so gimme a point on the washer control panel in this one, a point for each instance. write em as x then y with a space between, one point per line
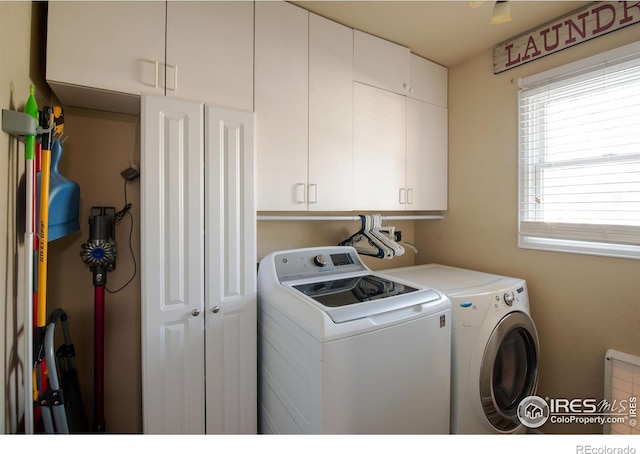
308 263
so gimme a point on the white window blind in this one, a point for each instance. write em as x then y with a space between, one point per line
579 134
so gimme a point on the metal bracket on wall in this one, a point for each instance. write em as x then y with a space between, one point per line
18 124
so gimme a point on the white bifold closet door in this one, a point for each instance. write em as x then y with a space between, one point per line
198 268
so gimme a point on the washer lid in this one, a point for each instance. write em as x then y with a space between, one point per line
355 297
447 279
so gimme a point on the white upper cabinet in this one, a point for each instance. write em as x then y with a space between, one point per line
109 46
303 104
379 149
381 63
103 55
210 52
428 81
399 152
427 156
281 105
335 125
330 185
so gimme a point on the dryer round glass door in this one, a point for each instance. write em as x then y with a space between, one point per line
509 371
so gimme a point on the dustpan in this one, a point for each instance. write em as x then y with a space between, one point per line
64 199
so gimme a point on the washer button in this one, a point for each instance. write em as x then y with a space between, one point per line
321 260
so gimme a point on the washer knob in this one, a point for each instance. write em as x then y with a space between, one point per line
321 260
509 298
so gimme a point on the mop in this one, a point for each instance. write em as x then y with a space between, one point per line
46 124
58 400
31 109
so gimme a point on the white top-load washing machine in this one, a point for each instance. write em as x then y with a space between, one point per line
343 350
495 348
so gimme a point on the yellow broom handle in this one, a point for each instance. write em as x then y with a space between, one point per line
45 175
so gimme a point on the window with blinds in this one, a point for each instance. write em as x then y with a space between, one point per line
579 140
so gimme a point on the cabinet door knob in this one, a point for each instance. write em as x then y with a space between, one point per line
195 312
215 309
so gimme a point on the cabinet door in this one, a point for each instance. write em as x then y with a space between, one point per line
114 46
428 81
379 149
380 63
210 52
172 281
330 115
426 156
281 105
231 338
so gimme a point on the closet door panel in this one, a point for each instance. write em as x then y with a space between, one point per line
172 281
231 351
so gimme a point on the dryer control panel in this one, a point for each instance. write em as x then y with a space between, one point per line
510 299
308 263
472 310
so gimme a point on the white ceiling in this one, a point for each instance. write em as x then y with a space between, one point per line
446 32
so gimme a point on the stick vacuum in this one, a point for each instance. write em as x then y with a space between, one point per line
99 252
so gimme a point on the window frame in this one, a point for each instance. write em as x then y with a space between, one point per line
592 239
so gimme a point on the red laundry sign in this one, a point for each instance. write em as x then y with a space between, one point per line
582 25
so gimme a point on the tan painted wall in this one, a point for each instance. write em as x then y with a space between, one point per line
582 305
281 235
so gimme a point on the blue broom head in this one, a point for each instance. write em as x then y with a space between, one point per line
64 199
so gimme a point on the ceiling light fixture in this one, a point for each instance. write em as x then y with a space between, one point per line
501 13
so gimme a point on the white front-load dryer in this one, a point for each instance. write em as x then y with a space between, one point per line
495 349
